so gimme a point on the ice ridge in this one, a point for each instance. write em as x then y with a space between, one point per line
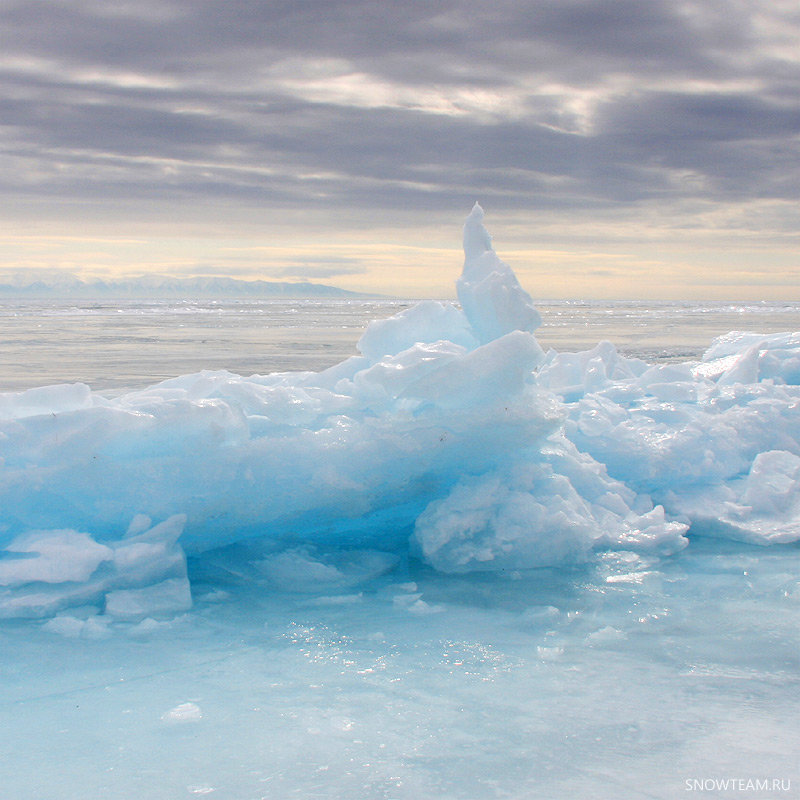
453 438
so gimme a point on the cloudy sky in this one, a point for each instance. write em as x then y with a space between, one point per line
620 148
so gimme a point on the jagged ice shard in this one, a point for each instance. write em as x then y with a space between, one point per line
453 438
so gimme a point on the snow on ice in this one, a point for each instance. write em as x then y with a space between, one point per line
452 437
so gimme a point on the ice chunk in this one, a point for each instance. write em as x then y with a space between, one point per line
449 377
414 604
303 569
94 627
572 375
605 636
762 507
427 321
152 554
533 516
489 292
744 369
168 597
68 569
739 357
49 400
737 342
773 482
51 557
487 524
185 712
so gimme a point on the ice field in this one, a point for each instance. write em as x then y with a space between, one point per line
459 564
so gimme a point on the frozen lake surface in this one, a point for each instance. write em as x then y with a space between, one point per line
132 344
619 680
399 586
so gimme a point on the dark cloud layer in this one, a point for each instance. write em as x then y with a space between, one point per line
379 105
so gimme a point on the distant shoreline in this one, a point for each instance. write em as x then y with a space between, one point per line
173 288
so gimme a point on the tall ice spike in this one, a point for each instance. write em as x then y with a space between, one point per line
490 294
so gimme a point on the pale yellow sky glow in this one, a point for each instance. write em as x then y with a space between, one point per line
708 256
694 267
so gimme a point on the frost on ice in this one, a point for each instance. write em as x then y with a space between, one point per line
452 437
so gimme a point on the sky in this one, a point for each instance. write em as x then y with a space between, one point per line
620 148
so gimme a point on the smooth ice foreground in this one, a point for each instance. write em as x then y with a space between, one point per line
452 546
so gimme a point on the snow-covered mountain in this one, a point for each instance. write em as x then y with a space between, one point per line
162 286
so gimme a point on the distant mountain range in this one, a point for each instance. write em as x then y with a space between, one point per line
160 286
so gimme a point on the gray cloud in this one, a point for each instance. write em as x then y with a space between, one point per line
368 105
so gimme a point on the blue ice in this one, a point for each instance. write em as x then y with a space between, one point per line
453 438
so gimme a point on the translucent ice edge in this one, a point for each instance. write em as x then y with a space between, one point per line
453 438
